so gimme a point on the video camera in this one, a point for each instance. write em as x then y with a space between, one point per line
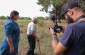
55 27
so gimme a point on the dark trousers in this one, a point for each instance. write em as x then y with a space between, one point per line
32 42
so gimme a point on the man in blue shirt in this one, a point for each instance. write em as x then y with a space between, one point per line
73 40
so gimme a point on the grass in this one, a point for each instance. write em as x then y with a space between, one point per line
42 32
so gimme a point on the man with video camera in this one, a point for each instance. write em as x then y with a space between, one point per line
73 40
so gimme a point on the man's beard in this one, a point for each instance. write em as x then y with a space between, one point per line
69 20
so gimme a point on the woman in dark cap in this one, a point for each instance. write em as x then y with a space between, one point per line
11 38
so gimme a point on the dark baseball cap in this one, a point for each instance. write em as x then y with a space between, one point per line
68 5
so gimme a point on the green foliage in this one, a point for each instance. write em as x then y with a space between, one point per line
45 4
25 18
41 23
2 17
57 4
41 18
82 3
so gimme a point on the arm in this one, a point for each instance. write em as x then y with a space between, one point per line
57 46
65 42
34 34
9 40
8 32
21 31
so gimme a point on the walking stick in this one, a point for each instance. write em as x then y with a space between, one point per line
39 47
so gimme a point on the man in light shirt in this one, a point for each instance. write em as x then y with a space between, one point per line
31 34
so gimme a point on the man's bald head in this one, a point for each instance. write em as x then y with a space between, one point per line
34 20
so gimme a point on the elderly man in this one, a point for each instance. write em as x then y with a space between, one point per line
73 40
31 34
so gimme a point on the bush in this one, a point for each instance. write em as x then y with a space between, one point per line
41 23
2 17
41 18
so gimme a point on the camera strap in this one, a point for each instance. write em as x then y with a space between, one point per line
83 16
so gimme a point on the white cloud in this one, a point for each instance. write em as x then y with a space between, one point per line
27 8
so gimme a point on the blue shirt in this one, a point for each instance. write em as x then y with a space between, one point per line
11 29
74 39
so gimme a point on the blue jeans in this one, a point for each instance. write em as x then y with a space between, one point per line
32 42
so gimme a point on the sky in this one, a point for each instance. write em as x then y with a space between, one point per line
26 8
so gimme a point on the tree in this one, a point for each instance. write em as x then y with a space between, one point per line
24 18
57 4
41 18
2 17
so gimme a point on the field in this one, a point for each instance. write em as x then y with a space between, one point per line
42 32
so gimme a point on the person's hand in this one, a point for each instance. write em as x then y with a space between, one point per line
63 28
37 39
11 49
52 31
21 31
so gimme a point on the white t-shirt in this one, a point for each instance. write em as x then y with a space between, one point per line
31 27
